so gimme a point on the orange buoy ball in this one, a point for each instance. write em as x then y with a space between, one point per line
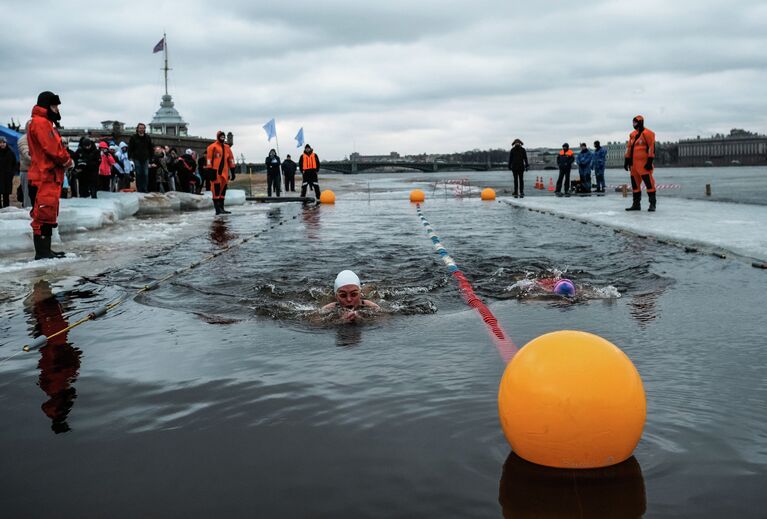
572 399
327 197
488 194
416 195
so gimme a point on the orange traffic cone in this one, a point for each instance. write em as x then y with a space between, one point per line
551 183
540 183
535 186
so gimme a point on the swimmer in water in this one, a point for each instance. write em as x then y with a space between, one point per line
349 299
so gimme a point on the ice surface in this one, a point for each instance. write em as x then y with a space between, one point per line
739 228
85 214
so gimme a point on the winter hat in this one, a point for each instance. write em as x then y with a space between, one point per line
2 139
46 99
517 141
103 145
346 277
188 151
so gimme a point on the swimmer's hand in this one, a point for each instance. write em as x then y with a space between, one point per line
349 315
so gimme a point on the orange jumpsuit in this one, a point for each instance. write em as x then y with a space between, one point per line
46 171
639 152
220 158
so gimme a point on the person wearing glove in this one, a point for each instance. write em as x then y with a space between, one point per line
50 160
220 163
640 154
518 164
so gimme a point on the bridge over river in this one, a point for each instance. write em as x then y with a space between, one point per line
350 167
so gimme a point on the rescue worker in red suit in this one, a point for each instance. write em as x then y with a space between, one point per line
49 160
59 361
640 154
221 160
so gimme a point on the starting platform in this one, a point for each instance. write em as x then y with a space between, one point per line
278 199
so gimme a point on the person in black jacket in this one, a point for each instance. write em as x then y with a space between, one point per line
565 162
289 173
518 165
272 173
7 170
140 150
86 171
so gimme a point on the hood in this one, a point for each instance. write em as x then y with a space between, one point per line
122 145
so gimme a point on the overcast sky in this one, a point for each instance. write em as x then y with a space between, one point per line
409 76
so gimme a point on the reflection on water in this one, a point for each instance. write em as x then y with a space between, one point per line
348 335
311 218
220 234
59 361
529 490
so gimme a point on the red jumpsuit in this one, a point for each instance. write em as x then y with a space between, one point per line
639 152
216 153
46 171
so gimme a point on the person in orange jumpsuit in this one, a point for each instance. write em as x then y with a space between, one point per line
49 160
640 154
221 160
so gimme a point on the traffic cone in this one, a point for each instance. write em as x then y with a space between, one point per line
540 183
536 183
551 183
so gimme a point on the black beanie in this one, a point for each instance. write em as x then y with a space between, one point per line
46 99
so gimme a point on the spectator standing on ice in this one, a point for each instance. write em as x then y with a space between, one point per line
599 163
219 162
583 160
309 164
640 155
124 180
87 168
105 168
518 165
187 168
289 174
273 165
158 171
565 163
24 162
140 151
46 172
7 171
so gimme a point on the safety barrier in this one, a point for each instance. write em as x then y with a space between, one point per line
505 346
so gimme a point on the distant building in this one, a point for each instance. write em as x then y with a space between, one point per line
740 147
391 157
666 154
167 120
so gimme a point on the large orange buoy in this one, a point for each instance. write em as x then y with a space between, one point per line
488 194
572 399
416 195
327 197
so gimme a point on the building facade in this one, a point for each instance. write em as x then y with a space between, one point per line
740 147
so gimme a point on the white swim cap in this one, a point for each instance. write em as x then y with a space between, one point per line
346 277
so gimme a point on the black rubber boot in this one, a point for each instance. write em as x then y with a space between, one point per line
53 253
221 205
217 206
651 196
42 250
636 206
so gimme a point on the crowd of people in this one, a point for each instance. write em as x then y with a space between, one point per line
638 161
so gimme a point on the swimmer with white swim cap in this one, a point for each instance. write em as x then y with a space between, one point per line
349 301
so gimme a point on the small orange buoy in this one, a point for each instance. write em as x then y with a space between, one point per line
327 197
416 195
488 194
571 399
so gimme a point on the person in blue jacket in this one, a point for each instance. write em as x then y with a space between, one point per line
583 160
599 162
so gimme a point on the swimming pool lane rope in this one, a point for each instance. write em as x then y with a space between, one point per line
503 342
42 340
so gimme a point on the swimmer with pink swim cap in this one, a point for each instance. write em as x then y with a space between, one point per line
559 286
349 301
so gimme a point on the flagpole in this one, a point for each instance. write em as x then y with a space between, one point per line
277 140
165 48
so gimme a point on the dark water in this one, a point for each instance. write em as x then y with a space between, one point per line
217 395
